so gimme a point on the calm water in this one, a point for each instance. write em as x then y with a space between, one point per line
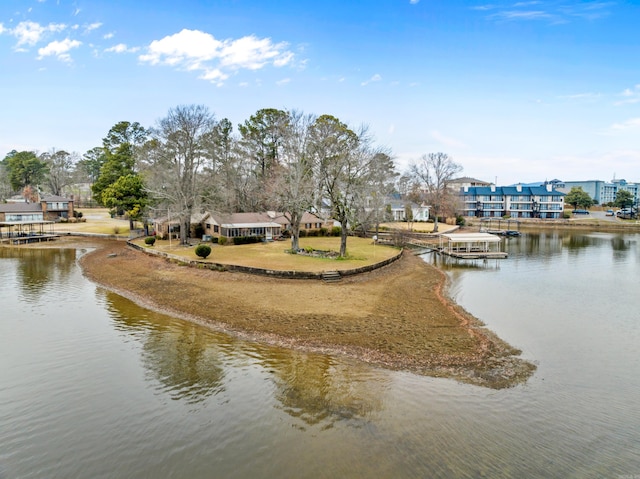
92 386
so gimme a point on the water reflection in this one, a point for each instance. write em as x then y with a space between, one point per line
185 362
38 267
190 362
318 390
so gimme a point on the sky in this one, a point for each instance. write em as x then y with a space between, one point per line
513 91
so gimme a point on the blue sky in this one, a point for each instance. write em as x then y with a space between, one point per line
513 91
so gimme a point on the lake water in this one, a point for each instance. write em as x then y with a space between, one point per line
93 386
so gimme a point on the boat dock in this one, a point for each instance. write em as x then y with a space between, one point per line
472 246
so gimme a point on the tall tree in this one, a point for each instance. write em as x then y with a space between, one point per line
88 168
432 175
127 194
262 136
25 169
180 152
339 161
293 189
119 146
222 169
624 199
60 167
577 197
377 185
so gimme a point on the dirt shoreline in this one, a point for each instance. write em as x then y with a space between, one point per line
397 317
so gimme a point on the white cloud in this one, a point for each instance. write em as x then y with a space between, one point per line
581 96
552 12
108 36
194 50
630 95
630 124
30 33
121 48
283 82
59 49
374 78
92 26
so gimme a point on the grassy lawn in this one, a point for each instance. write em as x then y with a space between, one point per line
418 227
97 220
273 255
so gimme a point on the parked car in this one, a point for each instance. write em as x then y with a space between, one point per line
610 213
626 212
580 212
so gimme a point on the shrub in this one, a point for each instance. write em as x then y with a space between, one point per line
150 240
222 240
302 233
323 231
203 250
247 239
460 220
336 230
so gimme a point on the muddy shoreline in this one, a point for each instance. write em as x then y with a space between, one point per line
398 317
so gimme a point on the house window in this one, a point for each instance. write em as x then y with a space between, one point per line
216 229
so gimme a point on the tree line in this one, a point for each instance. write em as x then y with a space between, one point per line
278 160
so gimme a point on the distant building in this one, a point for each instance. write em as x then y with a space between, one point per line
515 201
601 191
459 183
49 208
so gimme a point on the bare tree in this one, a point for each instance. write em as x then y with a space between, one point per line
60 169
293 189
431 176
343 160
175 158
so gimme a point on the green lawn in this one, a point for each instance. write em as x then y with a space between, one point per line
272 255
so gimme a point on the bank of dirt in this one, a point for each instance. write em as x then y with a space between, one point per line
395 317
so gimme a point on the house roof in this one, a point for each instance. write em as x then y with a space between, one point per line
468 179
54 198
511 190
471 237
252 220
20 208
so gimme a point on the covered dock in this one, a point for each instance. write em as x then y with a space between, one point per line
471 245
20 232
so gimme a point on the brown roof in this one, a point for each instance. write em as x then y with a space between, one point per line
20 208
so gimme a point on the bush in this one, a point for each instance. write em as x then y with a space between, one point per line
150 240
203 250
460 220
247 239
323 231
336 230
222 240
302 233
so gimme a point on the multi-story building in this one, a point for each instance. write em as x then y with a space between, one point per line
601 191
517 201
